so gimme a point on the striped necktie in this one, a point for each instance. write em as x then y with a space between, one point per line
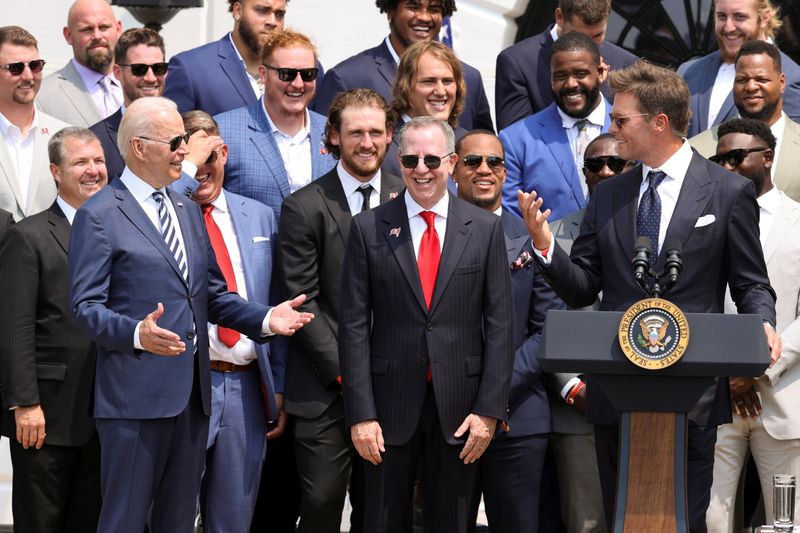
170 234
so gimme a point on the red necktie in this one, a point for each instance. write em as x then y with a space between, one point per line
428 261
228 336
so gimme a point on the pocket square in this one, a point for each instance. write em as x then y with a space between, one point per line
705 220
260 239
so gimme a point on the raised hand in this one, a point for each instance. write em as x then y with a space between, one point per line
158 340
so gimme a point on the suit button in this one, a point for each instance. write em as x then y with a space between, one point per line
315 369
423 362
429 326
190 335
191 300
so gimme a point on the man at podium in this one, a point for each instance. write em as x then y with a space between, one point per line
674 193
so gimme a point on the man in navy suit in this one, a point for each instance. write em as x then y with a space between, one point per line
544 152
673 194
511 468
139 254
275 145
410 21
426 340
710 79
522 87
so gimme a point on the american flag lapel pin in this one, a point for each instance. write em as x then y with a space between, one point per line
180 204
394 232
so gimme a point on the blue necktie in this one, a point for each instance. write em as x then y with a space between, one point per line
648 220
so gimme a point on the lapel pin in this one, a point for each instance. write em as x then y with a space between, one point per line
180 204
393 195
45 131
524 260
394 232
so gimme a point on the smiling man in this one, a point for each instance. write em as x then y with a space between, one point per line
544 152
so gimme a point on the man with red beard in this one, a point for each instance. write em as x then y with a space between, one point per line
84 91
544 152
313 229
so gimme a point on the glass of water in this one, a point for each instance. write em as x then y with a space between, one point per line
783 487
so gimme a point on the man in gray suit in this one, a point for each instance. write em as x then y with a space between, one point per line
766 409
84 91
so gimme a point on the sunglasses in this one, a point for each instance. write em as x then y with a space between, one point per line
735 157
475 160
289 74
596 164
620 120
15 69
173 143
140 69
212 157
431 161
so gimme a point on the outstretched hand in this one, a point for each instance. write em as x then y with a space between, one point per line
285 320
157 340
530 205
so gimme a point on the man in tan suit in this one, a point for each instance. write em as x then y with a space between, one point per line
766 409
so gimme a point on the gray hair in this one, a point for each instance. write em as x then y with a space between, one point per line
418 123
55 147
138 120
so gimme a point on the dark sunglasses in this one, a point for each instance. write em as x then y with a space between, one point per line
15 69
735 157
475 160
140 69
431 161
173 143
289 74
596 164
620 120
212 157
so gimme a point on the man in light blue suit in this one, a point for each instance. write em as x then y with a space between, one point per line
275 145
139 254
544 152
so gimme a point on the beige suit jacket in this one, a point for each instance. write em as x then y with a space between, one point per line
63 95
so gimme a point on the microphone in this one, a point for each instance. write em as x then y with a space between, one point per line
641 258
673 265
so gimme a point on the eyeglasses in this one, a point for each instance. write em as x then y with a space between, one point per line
431 161
620 120
173 143
475 160
15 69
735 157
212 157
140 69
289 74
596 164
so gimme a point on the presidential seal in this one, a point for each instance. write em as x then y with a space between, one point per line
653 334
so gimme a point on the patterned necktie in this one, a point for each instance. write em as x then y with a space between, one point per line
109 100
170 234
365 191
228 336
428 259
581 142
648 219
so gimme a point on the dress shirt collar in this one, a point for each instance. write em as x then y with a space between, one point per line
221 202
597 117
779 125
498 211
350 184
413 208
554 32
67 209
768 202
392 51
91 77
140 189
304 132
8 129
676 166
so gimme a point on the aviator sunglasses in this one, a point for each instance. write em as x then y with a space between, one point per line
15 69
475 160
173 143
735 157
431 161
289 74
140 69
596 164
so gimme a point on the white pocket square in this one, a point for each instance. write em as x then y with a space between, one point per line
705 220
260 239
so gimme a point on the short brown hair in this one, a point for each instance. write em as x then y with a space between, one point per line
589 11
407 76
55 146
659 90
765 6
448 6
197 120
285 38
134 37
231 2
354 98
18 36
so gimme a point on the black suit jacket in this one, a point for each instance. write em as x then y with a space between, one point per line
313 230
6 219
44 358
388 337
106 130
726 251
522 87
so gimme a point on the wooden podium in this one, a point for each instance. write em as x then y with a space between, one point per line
653 404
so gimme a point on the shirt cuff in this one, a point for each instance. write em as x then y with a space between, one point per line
568 387
265 331
189 168
137 345
546 259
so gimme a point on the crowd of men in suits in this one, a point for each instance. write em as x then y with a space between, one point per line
238 286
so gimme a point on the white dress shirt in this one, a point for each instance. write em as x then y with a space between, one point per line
355 199
723 85
20 150
417 224
91 80
392 51
597 119
295 151
67 209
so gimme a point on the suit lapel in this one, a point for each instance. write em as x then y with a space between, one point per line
190 244
59 226
553 134
244 237
10 178
789 156
626 199
335 201
456 238
398 236
705 98
316 130
76 93
232 67
786 217
391 187
515 240
385 63
264 141
40 165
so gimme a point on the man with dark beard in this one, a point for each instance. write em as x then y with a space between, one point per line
544 152
85 92
758 90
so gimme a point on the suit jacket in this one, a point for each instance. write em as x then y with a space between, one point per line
529 412
106 130
539 157
256 234
315 223
64 96
120 268
44 358
6 220
523 88
43 187
388 337
700 76
784 170
255 168
375 69
724 251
